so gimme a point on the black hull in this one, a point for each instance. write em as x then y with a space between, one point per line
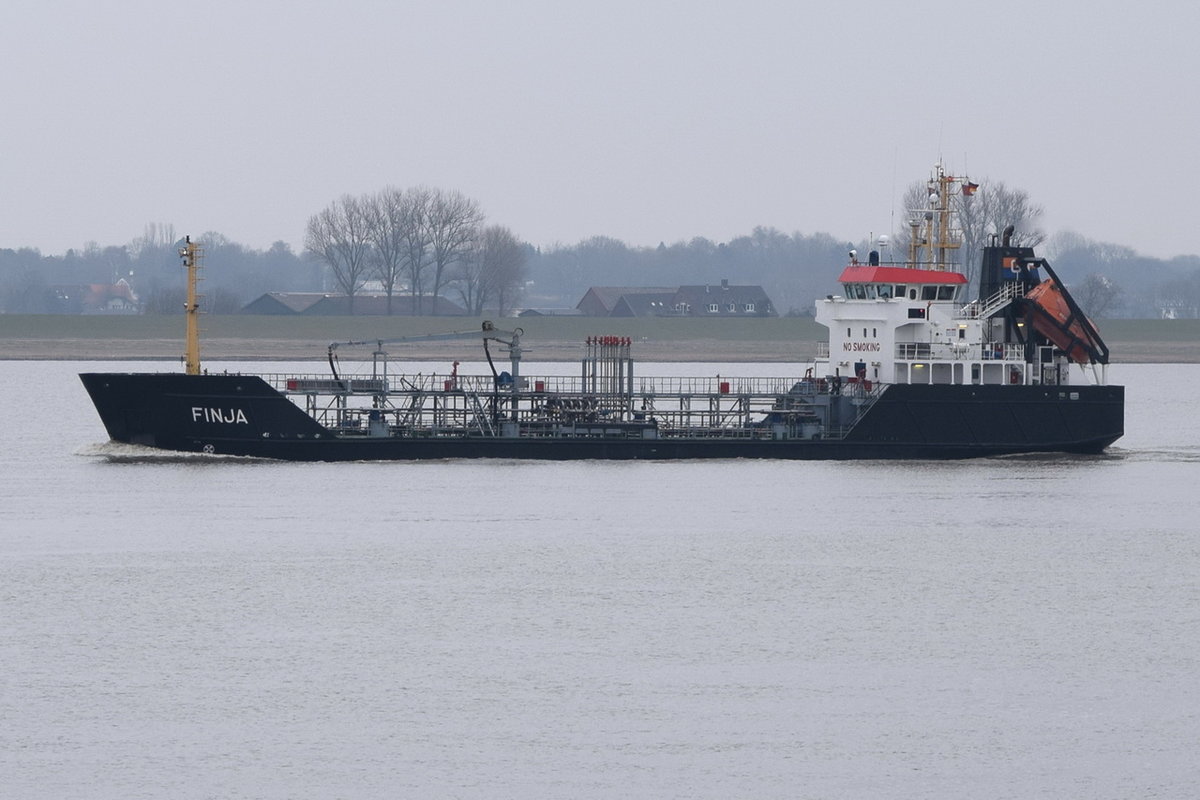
242 415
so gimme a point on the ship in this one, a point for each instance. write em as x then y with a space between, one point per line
912 369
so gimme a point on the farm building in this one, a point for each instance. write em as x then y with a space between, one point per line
311 304
705 300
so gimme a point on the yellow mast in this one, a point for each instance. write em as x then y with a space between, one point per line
192 253
933 228
946 240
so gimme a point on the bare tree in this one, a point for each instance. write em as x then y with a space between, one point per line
988 212
386 220
507 273
1074 246
214 239
981 213
454 220
1098 295
155 235
221 301
469 276
413 236
491 271
339 237
1002 207
420 234
166 300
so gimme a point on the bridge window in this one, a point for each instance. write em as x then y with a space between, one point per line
929 292
946 292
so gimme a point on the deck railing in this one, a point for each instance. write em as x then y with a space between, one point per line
953 351
289 383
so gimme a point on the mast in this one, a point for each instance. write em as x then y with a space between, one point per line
934 228
192 253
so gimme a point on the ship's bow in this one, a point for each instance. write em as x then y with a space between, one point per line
220 413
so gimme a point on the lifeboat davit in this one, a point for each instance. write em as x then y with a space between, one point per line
1055 316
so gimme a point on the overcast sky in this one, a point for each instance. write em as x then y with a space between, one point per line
646 121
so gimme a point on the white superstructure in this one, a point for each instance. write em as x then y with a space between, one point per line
912 322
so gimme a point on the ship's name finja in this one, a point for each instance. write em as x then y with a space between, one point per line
861 347
225 415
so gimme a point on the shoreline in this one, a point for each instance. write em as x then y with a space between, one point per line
681 350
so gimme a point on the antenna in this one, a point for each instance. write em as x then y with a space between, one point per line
895 160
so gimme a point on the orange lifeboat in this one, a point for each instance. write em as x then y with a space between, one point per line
1054 317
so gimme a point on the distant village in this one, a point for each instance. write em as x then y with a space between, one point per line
95 298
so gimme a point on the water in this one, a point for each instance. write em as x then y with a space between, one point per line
191 627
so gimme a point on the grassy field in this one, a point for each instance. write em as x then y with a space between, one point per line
246 336
325 329
1150 330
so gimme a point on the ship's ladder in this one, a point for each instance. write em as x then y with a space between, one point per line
1009 292
412 414
482 420
862 400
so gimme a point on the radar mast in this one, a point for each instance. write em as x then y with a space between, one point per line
936 232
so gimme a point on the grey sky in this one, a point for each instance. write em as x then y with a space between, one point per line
646 121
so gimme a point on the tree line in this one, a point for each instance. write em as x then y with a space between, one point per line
32 283
421 243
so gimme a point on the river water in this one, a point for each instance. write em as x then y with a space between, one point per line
192 627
